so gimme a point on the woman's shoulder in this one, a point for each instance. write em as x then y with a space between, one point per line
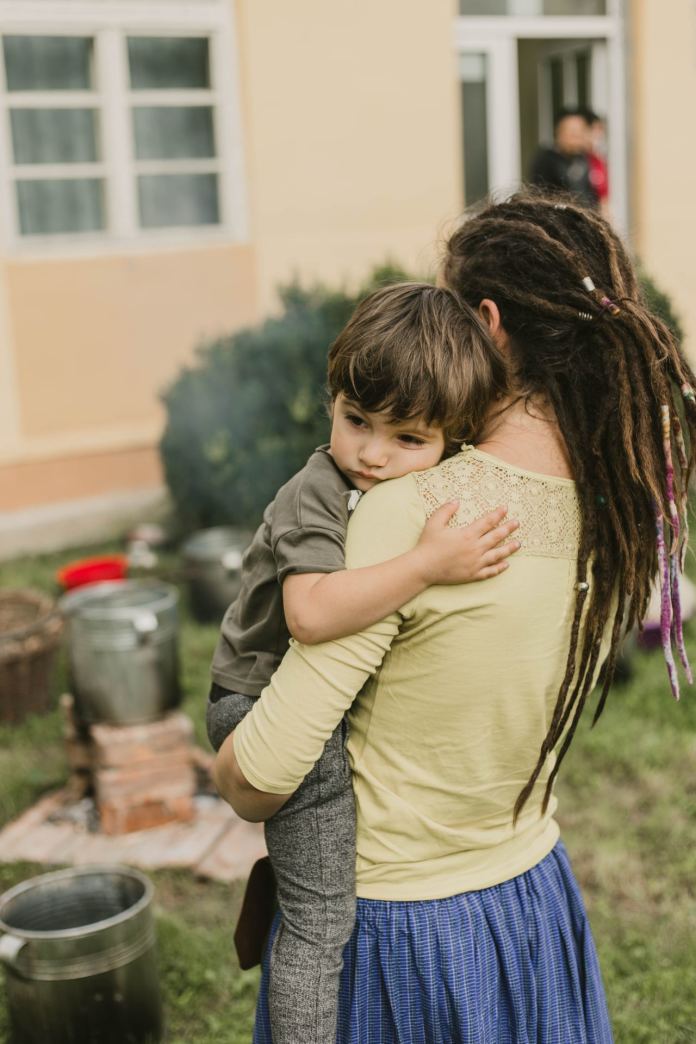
546 506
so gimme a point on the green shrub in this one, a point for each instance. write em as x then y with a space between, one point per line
659 303
247 415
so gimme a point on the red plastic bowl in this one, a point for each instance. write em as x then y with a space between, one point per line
92 570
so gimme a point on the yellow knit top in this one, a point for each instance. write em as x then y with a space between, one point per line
454 692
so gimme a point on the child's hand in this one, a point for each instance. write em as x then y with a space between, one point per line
474 552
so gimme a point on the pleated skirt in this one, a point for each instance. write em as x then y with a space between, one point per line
511 964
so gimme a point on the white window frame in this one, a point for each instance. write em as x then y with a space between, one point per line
498 36
110 23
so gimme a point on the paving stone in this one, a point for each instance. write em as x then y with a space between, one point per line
216 843
235 853
44 843
11 836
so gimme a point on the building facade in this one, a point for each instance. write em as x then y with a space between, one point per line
165 164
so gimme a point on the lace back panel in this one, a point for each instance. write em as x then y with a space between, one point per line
546 507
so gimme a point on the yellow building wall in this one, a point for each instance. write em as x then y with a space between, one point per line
354 134
94 341
352 137
662 51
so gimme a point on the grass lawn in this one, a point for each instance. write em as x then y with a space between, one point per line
627 809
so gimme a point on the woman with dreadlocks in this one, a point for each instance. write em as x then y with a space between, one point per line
470 928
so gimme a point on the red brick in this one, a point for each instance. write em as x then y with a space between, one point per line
141 784
126 744
124 817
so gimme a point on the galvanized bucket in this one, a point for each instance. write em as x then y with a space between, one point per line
78 948
213 569
123 650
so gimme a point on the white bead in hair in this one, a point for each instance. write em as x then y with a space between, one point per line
586 316
588 284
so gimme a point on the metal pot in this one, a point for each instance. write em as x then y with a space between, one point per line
213 569
123 650
80 961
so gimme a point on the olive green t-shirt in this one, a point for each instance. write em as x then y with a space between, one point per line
303 531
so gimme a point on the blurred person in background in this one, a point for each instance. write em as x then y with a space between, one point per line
566 166
599 172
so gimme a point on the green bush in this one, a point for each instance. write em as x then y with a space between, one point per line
246 417
659 303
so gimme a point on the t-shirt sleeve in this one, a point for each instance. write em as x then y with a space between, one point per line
284 735
310 515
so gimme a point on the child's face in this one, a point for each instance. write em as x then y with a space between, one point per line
371 447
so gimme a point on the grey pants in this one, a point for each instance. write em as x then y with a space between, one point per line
311 844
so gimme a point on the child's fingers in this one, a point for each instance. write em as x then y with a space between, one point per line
499 553
444 513
486 572
487 522
495 536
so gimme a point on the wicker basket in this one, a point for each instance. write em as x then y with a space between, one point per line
30 630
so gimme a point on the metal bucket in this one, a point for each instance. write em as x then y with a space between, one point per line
213 569
123 650
79 953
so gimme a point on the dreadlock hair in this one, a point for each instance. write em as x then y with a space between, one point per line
582 338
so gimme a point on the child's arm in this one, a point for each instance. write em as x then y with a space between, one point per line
320 607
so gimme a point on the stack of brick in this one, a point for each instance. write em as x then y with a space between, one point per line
142 776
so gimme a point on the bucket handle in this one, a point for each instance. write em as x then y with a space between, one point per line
10 948
232 560
145 624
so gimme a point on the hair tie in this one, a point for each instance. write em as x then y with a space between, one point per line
605 303
609 306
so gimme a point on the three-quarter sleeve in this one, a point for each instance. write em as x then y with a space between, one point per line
284 735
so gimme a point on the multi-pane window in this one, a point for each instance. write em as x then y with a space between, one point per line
112 134
173 131
53 110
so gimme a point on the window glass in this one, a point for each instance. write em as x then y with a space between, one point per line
473 71
161 63
54 135
172 200
48 63
51 207
583 73
533 7
172 132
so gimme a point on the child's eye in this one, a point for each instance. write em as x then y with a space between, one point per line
412 440
353 419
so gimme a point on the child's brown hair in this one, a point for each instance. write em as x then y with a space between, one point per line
417 350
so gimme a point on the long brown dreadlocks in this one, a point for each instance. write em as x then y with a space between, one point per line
583 339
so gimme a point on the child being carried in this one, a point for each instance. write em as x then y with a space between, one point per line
411 377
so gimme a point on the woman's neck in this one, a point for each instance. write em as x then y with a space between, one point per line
524 432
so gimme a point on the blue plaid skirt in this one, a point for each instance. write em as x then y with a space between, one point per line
511 964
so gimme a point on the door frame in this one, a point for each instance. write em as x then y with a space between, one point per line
497 38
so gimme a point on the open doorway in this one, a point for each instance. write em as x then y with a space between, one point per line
553 75
517 70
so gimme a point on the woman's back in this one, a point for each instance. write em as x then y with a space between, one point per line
444 737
